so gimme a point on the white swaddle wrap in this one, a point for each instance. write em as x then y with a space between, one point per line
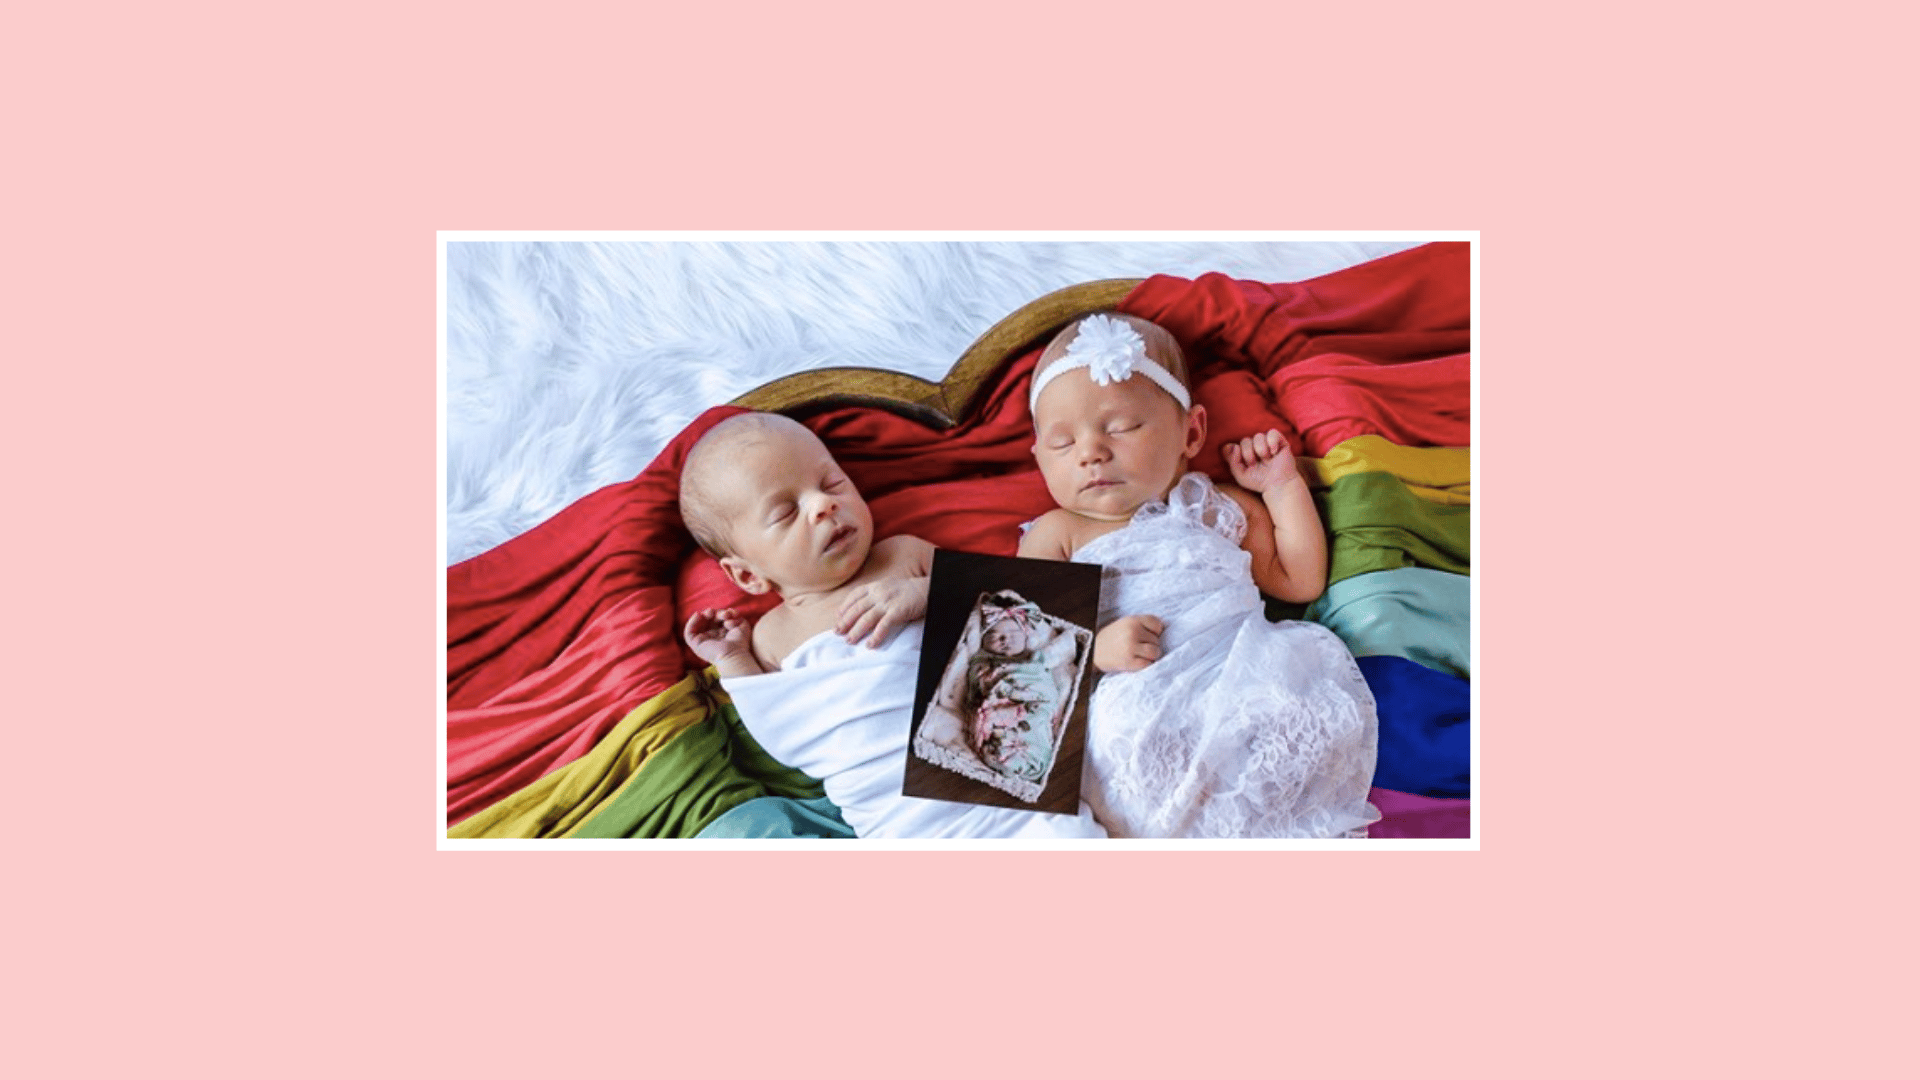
1243 728
841 713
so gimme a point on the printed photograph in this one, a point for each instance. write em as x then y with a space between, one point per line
1000 713
1004 702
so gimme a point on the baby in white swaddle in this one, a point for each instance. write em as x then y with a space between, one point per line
825 681
1208 719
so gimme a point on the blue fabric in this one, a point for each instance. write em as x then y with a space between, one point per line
775 818
1424 731
1421 614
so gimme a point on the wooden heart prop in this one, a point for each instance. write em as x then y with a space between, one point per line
939 405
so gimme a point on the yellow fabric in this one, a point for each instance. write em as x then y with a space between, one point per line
1439 474
560 800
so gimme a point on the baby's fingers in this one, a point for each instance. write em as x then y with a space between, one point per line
850 612
864 625
1146 642
882 630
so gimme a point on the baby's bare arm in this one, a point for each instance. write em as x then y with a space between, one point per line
915 556
874 611
1285 538
1300 541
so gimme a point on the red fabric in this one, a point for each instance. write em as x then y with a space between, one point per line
558 633
1375 349
555 635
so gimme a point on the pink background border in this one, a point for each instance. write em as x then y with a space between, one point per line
223 403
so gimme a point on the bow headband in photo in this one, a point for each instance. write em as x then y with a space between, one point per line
1021 616
1111 351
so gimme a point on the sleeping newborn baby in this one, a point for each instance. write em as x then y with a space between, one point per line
1005 699
825 680
1012 697
1209 721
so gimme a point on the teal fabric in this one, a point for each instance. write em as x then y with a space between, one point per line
1419 614
774 818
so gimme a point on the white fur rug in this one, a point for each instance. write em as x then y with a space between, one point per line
569 364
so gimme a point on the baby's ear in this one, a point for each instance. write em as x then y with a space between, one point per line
1196 436
743 575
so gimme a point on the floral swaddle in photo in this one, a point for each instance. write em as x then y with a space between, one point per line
1006 696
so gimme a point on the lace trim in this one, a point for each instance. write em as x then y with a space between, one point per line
1195 499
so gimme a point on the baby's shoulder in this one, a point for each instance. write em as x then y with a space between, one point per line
905 553
1050 536
776 634
1257 520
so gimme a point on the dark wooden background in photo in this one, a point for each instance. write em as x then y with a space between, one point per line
1070 591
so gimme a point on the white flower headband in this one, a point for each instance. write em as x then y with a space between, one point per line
1112 352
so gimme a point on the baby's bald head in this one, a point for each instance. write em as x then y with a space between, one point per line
704 498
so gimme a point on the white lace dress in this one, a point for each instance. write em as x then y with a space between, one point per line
1243 728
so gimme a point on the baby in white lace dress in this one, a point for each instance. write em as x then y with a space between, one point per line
1208 720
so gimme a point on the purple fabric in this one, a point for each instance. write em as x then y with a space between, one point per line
1418 817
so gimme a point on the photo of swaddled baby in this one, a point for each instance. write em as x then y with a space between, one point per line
1004 676
1007 695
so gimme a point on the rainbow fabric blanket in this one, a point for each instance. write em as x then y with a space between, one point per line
574 709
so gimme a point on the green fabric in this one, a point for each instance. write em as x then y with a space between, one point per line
775 818
1379 524
559 801
706 770
1419 614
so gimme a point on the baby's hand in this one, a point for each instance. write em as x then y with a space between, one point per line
716 635
875 610
1128 644
1261 461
